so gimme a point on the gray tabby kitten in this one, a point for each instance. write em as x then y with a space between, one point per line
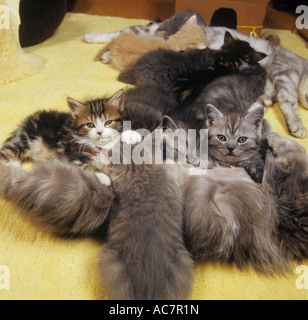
235 91
235 139
287 76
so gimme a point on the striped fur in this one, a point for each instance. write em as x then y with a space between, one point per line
75 137
287 76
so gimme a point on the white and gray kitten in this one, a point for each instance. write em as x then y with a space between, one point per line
155 28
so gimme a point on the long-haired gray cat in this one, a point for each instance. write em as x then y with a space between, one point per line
286 179
145 256
229 218
58 197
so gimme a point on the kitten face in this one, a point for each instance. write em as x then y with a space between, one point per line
98 121
234 137
236 50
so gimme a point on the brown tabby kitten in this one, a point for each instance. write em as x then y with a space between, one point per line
76 137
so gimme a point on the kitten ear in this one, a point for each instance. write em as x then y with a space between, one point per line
229 41
212 114
118 100
256 116
75 106
192 20
255 56
168 123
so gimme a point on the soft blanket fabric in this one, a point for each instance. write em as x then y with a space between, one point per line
42 266
15 64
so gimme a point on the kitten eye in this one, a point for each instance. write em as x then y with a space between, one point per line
90 125
221 137
242 139
108 123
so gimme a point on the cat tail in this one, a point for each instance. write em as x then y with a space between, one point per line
127 76
303 88
60 198
147 276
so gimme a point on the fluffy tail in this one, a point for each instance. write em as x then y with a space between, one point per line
59 197
303 88
145 276
127 76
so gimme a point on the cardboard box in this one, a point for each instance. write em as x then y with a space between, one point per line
250 13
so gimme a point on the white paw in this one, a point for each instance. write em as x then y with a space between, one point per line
105 58
104 179
298 131
131 137
89 37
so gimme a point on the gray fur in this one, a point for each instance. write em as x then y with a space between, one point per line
287 76
58 197
236 91
230 218
234 126
286 179
145 256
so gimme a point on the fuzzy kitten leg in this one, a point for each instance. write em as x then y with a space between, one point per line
58 197
267 98
106 57
100 37
103 178
286 90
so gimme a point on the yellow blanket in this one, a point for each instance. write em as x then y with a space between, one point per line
36 265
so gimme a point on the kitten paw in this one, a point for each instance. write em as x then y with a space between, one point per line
89 37
131 137
298 132
103 178
105 58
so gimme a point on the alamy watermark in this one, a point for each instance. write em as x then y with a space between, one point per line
4 277
302 21
302 280
4 17
185 147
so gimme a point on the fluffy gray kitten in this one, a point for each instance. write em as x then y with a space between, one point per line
58 197
145 256
235 139
235 91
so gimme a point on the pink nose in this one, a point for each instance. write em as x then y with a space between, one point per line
100 132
